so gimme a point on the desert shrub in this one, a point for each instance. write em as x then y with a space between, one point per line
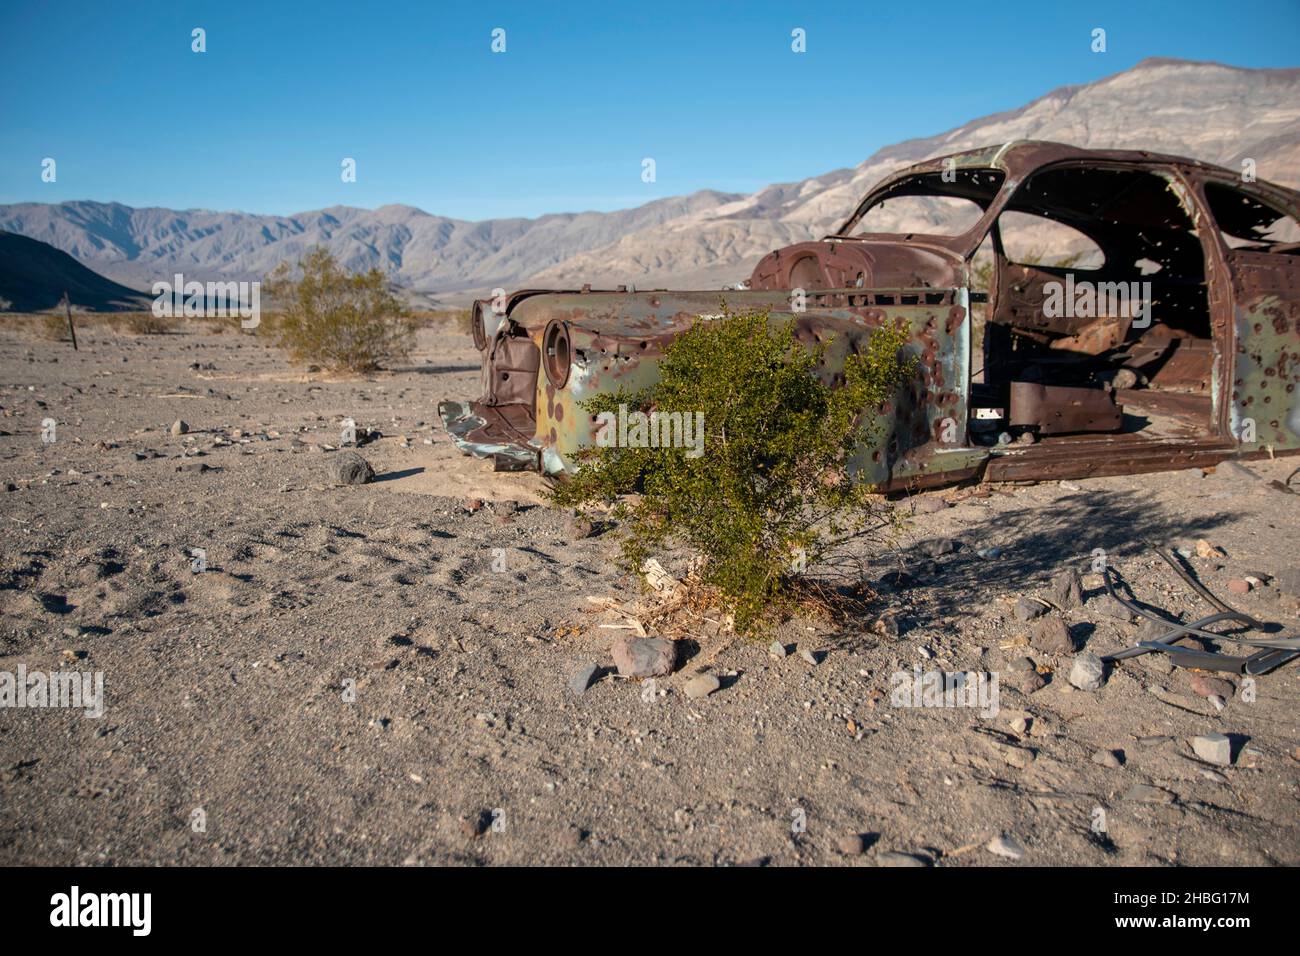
769 497
54 326
344 321
146 323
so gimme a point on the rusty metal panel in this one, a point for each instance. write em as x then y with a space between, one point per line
1058 410
1266 361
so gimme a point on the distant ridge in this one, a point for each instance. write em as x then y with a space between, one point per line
34 276
1209 111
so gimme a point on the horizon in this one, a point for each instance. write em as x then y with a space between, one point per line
1148 61
756 92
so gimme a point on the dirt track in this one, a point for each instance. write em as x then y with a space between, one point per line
228 691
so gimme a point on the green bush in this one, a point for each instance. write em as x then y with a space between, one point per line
341 320
769 497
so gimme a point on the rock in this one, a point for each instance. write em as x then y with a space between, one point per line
1019 725
989 554
1124 378
1144 793
577 527
1027 609
474 505
1206 550
180 427
938 547
701 686
1207 685
349 468
1239 586
1250 758
1020 665
1067 589
1028 682
890 858
644 656
922 506
574 836
1149 630
1213 748
887 626
851 844
811 656
1052 636
1107 758
581 679
1108 606
1087 672
1007 847
777 650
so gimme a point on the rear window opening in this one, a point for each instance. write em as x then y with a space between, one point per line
1098 320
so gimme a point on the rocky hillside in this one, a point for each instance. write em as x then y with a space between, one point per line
1212 112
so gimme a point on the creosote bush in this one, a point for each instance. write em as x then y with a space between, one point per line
341 320
770 495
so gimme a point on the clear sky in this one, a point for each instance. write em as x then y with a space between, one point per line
560 121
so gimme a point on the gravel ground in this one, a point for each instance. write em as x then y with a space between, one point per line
377 674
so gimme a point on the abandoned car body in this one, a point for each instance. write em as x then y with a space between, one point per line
1154 325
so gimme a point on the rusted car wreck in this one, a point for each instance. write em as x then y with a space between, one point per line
1154 326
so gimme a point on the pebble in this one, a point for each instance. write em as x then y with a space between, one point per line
701 686
1007 847
851 844
349 468
1239 586
1067 589
1107 758
777 650
1213 748
1206 550
1145 793
577 527
1087 672
1207 685
1027 609
811 656
887 626
581 679
644 656
180 427
1029 682
923 506
938 547
891 858
1052 636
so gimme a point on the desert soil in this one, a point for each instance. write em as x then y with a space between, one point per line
378 674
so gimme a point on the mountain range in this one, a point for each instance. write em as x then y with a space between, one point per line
1209 111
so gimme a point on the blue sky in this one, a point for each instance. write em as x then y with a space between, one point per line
560 121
